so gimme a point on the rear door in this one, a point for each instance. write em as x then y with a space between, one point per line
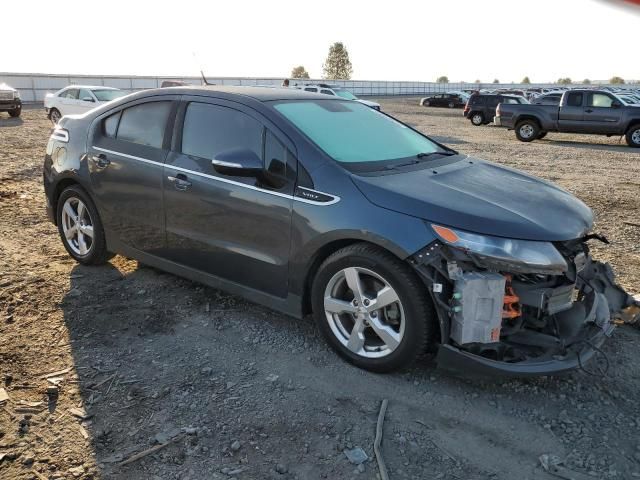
127 148
571 114
235 228
599 114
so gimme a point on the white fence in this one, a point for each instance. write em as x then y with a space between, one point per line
34 86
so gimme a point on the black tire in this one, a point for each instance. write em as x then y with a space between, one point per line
633 136
55 115
16 112
452 105
420 324
477 118
541 135
97 253
426 103
527 130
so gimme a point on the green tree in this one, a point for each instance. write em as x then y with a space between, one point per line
616 80
526 80
564 81
443 79
299 72
337 65
495 80
586 81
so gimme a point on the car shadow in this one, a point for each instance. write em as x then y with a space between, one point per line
10 122
448 140
622 148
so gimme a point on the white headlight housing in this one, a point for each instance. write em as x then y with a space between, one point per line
507 252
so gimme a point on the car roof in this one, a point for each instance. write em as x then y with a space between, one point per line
91 87
261 94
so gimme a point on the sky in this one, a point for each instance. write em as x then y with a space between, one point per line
415 40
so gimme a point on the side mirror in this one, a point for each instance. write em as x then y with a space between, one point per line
616 104
238 162
87 99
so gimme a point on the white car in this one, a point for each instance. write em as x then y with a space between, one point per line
78 99
338 91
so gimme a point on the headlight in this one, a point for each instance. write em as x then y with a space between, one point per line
523 255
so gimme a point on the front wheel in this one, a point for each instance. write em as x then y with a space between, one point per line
15 112
452 105
80 227
426 103
372 308
633 136
527 130
477 119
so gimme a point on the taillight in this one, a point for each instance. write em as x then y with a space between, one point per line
60 134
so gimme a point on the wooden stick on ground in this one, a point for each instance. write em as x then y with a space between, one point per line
384 475
149 451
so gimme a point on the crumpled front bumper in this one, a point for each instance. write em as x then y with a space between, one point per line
579 354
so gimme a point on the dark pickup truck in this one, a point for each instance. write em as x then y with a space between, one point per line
580 111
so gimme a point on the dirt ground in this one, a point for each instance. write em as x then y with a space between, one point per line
221 388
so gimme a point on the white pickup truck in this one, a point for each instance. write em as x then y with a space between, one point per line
10 100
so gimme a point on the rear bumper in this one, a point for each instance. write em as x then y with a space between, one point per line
454 359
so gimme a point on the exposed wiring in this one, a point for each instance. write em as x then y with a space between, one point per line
602 372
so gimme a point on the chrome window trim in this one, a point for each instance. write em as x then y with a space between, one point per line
335 199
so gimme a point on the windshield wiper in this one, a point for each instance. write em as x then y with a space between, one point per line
428 154
397 165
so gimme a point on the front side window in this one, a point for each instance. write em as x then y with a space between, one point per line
211 129
574 99
326 92
85 94
601 100
351 132
144 124
309 89
346 94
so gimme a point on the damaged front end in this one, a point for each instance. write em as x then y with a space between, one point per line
517 307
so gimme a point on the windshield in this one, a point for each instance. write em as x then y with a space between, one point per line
351 132
107 95
345 94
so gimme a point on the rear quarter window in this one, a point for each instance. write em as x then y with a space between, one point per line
144 124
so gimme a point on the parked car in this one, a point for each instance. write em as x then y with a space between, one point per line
481 108
78 99
10 101
336 90
450 100
317 204
597 112
551 98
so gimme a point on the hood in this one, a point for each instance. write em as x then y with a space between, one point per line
5 87
481 197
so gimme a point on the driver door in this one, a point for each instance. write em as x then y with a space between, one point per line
235 228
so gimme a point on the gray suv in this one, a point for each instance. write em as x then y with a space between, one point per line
308 203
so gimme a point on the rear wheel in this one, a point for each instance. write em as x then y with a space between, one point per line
16 112
372 309
426 103
633 136
527 130
451 105
55 115
80 227
477 119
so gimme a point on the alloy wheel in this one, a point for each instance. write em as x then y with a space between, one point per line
364 312
635 137
77 226
476 119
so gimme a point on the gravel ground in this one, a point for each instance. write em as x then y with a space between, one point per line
221 388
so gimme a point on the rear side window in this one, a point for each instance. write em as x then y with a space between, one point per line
574 99
275 155
71 93
211 129
144 124
477 100
308 89
326 92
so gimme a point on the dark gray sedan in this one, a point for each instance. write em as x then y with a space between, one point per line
312 204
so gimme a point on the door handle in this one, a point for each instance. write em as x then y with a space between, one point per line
588 110
180 181
100 160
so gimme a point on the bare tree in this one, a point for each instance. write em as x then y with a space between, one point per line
616 80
